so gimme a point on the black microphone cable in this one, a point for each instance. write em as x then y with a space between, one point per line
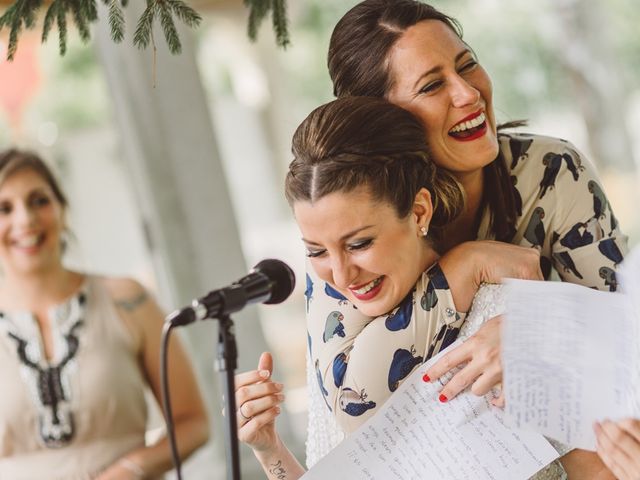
166 398
271 282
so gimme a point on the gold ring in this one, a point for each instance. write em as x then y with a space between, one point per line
242 414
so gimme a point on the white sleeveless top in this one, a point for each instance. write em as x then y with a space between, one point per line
73 415
324 434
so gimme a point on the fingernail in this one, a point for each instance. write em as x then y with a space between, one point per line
264 373
278 386
280 397
277 409
426 378
443 398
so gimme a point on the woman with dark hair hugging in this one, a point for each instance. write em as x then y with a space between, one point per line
520 189
372 209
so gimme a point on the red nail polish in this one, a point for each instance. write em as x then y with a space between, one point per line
426 378
443 398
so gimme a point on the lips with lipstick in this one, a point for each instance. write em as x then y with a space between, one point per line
471 127
368 290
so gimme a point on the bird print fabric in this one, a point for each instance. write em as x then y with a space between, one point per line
401 316
534 232
308 292
563 213
402 364
357 373
333 326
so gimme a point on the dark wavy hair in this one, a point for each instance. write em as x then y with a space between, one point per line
358 64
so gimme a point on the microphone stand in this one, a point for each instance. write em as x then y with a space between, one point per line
226 364
271 286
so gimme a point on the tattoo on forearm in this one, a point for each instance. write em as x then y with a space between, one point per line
133 303
278 470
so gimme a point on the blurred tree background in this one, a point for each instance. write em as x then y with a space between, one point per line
562 56
570 67
546 56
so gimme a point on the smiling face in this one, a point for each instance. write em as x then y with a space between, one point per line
437 78
31 223
361 247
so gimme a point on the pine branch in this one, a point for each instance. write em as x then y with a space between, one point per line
116 21
16 25
169 28
92 10
30 14
142 35
23 14
81 18
48 21
279 18
62 27
185 13
258 10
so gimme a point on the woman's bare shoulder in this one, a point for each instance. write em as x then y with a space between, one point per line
127 293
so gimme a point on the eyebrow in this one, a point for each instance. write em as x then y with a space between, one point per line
31 193
344 237
439 68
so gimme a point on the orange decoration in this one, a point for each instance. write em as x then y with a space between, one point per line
19 79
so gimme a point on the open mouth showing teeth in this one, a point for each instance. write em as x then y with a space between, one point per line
28 242
368 287
470 127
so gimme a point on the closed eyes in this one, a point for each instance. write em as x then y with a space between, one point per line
355 246
315 253
360 245
466 67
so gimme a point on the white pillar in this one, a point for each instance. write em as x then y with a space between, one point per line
168 141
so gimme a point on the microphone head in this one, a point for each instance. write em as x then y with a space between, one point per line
280 275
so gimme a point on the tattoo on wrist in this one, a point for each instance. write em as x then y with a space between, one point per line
133 303
278 471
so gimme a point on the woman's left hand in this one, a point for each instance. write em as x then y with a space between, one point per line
619 447
483 369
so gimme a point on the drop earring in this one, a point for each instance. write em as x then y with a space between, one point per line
424 231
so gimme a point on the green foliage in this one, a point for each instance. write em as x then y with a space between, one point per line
22 14
116 21
164 10
258 10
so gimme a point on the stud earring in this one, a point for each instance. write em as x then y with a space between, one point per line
424 231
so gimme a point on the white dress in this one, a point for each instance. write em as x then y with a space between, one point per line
324 434
90 411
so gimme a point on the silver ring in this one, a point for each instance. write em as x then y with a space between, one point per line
242 414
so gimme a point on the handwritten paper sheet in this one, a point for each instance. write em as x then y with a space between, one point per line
570 357
414 436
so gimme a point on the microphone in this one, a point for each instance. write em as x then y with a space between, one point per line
270 281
